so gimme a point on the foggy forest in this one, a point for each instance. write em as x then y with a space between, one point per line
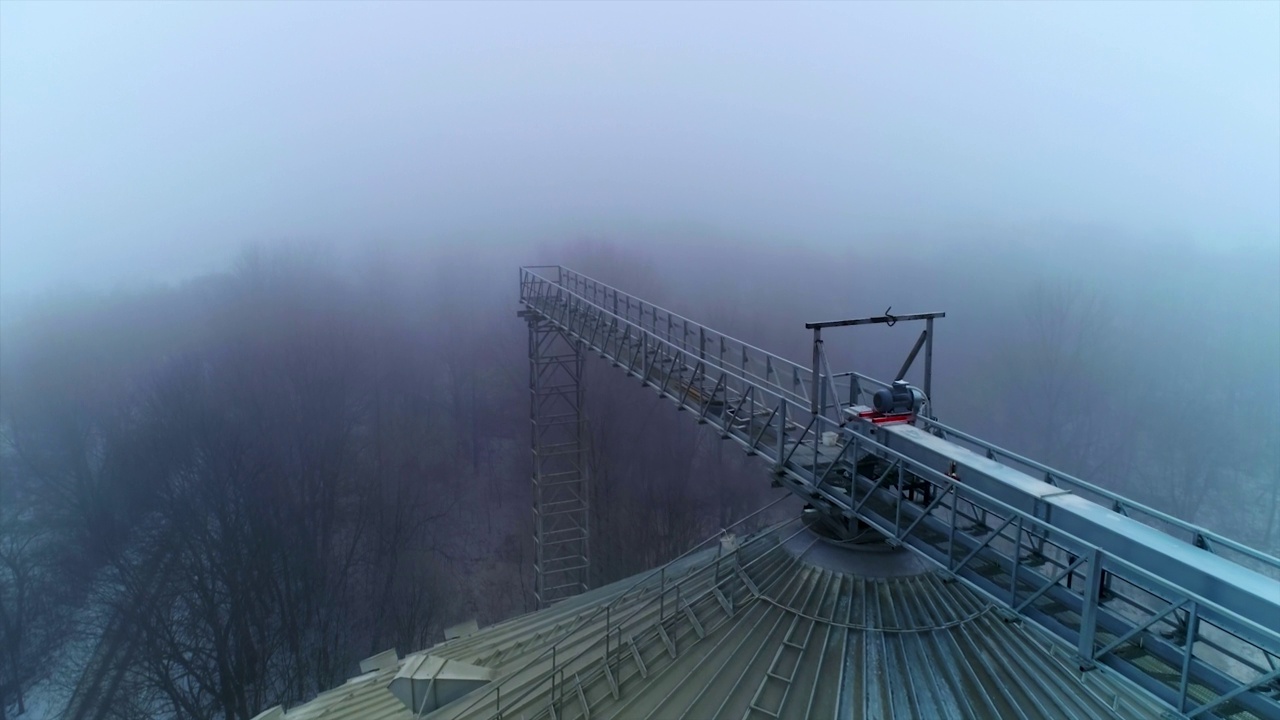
231 469
355 436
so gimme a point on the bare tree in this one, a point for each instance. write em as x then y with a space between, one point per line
1061 395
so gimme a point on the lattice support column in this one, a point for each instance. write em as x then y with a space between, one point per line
560 491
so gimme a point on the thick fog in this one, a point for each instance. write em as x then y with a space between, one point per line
148 140
263 390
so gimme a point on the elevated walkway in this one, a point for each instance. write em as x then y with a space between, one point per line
1190 616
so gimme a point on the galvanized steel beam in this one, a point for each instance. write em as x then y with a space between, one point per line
1133 572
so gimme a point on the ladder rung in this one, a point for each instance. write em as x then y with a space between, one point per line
562 587
561 531
559 506
563 473
553 543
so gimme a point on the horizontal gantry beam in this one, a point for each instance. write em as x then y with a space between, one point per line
1197 629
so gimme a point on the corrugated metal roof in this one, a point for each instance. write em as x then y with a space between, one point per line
786 626
364 697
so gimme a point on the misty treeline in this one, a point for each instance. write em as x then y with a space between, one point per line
219 494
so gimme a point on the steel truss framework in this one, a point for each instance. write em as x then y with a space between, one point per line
1190 616
561 513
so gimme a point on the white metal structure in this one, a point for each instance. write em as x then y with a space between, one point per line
1189 616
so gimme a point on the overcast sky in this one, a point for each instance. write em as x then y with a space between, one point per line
152 140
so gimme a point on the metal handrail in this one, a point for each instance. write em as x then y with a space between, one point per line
582 620
1056 477
572 307
765 354
1213 538
741 373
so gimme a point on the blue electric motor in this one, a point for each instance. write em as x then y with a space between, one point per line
898 399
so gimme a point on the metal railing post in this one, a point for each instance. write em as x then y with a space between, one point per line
816 386
1189 642
1089 609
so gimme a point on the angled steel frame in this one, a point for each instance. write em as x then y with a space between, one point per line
1198 630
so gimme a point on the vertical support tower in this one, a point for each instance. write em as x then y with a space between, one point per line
560 491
